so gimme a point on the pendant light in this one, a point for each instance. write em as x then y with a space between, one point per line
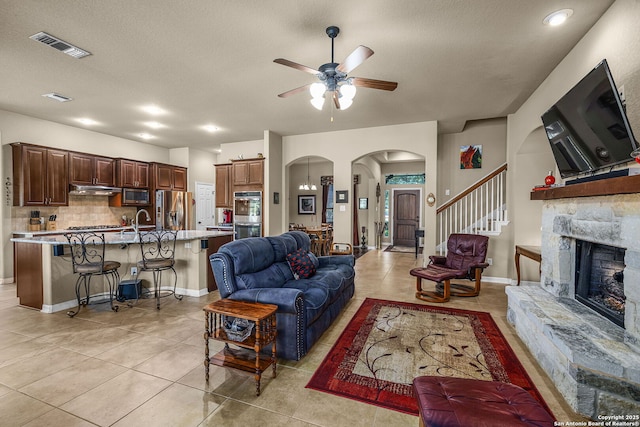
307 185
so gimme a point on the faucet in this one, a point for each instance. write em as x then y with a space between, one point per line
136 226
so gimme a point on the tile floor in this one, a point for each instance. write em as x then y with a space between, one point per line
141 366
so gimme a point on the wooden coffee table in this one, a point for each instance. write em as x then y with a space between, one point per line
247 356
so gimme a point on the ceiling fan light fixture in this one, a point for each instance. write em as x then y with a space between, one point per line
348 91
317 103
317 89
345 103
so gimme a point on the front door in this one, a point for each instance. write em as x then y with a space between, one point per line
406 208
204 206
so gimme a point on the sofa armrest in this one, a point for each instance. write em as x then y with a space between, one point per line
437 259
285 298
222 266
337 259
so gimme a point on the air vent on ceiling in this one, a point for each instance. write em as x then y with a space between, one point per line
57 97
61 45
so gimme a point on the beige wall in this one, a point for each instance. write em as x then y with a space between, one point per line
297 175
343 148
274 179
614 37
491 134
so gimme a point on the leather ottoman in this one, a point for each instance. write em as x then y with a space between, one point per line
451 402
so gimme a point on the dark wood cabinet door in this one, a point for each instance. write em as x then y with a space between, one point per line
164 177
179 179
57 178
126 173
224 192
142 175
104 171
34 167
80 169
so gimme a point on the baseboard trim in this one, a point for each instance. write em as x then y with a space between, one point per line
500 280
7 281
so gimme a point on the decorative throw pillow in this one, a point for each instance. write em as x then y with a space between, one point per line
301 265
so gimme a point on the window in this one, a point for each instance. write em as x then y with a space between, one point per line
329 207
386 213
416 178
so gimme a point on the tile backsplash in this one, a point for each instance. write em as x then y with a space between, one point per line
82 210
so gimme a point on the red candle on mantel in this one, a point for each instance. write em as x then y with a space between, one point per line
550 179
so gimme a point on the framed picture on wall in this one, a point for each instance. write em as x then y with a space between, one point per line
363 203
470 156
306 205
342 196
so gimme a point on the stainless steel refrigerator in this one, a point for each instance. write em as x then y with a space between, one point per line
173 210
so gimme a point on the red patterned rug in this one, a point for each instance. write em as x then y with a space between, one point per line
389 343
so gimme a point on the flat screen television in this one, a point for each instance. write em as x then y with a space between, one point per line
588 128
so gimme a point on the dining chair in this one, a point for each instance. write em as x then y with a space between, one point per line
87 258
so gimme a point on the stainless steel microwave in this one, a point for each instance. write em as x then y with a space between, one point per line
135 197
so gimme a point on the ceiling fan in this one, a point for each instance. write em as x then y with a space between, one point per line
333 77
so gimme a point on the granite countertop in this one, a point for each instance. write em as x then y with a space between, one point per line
124 236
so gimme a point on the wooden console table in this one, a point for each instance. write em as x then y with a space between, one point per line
532 252
246 358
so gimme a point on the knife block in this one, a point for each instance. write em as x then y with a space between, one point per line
51 225
34 224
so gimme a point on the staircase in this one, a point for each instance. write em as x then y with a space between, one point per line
480 209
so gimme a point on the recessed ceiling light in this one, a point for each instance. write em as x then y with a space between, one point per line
558 17
154 110
154 125
210 128
57 97
145 135
87 121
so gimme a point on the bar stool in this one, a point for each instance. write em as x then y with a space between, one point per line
158 249
87 257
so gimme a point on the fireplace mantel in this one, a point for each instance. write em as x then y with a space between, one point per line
603 187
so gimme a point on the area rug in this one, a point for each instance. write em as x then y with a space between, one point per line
389 343
403 249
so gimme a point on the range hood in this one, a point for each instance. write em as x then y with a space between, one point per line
93 190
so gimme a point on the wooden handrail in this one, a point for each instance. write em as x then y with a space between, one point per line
472 188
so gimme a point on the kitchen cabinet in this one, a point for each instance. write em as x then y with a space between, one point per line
40 176
248 173
224 186
132 174
169 177
86 169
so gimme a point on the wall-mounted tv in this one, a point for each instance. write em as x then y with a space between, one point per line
588 128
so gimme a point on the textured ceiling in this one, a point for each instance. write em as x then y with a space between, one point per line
211 61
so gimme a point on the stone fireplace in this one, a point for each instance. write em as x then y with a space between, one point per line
591 353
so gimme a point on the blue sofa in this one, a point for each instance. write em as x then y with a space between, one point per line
256 270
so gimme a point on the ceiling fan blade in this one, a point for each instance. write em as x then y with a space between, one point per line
295 65
354 59
294 91
336 100
373 84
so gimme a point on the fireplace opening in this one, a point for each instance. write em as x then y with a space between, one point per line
600 279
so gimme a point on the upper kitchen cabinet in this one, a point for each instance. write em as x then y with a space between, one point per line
40 176
169 177
248 174
224 187
132 174
85 169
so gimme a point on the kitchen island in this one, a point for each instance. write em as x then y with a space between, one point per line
44 273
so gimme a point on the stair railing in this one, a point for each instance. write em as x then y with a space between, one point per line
479 209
